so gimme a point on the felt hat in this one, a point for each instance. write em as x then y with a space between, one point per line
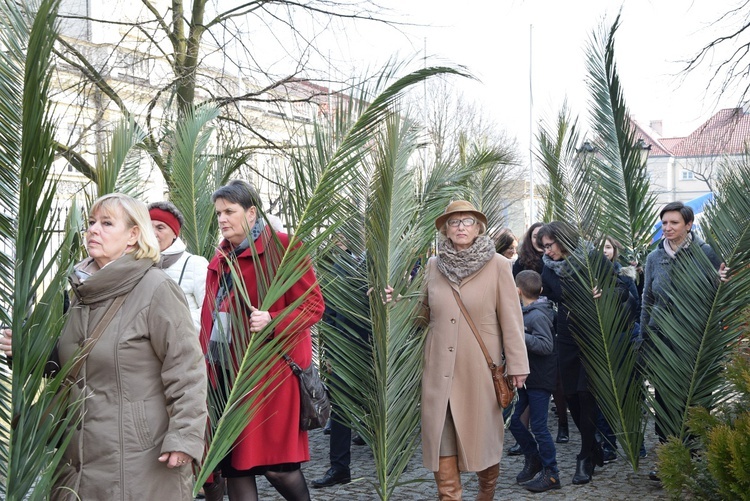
456 207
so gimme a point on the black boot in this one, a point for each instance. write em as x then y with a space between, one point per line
563 435
584 470
531 466
515 450
599 455
548 479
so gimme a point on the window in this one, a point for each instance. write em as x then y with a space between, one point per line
687 175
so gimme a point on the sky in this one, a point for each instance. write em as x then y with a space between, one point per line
493 38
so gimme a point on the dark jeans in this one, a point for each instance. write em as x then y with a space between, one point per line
340 452
541 441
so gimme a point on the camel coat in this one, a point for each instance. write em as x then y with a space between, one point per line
455 371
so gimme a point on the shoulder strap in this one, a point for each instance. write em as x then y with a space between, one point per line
466 315
183 269
91 341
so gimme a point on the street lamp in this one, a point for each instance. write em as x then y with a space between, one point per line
643 150
586 148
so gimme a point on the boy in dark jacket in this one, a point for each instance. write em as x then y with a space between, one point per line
540 471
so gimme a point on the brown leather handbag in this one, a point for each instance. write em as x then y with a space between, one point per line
505 390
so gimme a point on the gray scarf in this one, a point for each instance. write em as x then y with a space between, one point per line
457 265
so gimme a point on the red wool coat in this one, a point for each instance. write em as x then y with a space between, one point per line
273 436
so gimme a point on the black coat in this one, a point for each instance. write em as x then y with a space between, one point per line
572 371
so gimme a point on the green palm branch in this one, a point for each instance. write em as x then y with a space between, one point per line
557 151
487 189
707 316
32 422
627 203
606 194
117 169
194 176
319 216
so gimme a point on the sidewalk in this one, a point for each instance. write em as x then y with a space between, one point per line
612 482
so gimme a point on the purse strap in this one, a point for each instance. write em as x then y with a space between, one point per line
466 315
296 369
70 379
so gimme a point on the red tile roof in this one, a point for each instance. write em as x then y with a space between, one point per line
725 133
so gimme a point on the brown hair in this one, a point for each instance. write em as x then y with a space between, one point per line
528 256
530 283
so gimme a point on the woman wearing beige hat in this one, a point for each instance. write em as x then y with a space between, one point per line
462 423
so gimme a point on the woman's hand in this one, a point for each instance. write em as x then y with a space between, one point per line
724 273
175 459
259 320
387 294
6 342
519 381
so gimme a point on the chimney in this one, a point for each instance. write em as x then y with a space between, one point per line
656 126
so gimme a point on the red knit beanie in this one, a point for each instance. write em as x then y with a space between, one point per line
165 217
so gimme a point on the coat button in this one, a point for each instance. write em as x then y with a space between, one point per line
80 383
453 320
450 348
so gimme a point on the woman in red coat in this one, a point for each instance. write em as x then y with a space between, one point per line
272 444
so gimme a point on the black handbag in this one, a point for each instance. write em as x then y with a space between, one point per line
315 406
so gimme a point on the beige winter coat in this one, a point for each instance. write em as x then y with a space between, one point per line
145 387
455 370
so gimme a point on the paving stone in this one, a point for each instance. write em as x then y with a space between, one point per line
615 481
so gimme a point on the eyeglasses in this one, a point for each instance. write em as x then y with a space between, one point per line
549 246
467 221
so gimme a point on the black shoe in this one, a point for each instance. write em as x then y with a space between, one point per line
532 465
546 480
563 435
332 477
584 470
357 440
515 450
654 475
608 455
598 458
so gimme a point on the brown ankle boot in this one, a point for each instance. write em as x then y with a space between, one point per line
448 479
487 482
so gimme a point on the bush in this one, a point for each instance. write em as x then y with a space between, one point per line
716 463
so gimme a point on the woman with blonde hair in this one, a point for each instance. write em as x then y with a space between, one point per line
142 386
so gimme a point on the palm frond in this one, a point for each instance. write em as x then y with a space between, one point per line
490 189
608 195
706 317
556 151
118 168
38 421
192 177
627 203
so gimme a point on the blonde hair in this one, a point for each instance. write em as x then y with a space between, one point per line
136 215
